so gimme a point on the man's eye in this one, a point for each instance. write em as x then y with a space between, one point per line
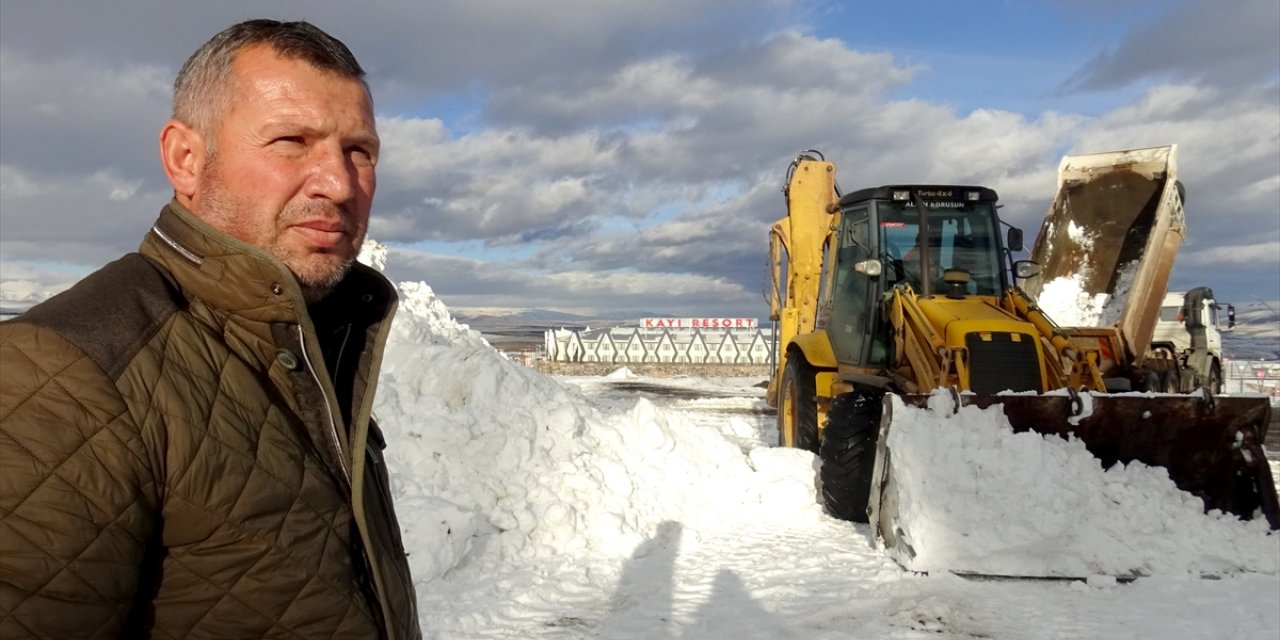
363 157
289 140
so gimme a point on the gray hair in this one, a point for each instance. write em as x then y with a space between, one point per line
201 95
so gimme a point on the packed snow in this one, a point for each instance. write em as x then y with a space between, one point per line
1067 302
543 507
1070 303
959 472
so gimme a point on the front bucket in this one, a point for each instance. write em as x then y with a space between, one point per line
1210 445
953 489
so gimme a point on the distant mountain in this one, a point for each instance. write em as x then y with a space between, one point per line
484 318
514 316
516 329
16 296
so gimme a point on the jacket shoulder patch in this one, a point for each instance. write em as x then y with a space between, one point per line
112 312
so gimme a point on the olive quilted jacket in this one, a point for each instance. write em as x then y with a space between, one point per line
184 453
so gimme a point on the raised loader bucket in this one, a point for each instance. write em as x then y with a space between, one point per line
1211 446
1107 246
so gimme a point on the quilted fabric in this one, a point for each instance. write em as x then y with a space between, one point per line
175 461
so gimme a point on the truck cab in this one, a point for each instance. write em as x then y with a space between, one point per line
1188 338
1171 328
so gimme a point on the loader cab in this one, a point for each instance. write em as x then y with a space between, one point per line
959 230
883 241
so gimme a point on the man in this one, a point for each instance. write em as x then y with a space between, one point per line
185 436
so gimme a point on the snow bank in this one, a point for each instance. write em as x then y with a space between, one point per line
491 454
975 496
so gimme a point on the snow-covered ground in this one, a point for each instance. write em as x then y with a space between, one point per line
624 507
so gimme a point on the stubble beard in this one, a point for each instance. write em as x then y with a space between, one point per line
236 217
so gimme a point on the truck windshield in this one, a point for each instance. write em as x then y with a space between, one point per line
957 238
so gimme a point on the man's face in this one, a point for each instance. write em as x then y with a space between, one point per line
293 169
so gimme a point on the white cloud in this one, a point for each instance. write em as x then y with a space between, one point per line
1253 255
630 153
114 188
16 183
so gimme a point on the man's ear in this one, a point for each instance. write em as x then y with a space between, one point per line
182 153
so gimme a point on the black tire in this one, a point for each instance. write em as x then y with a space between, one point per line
1187 379
848 454
798 405
1215 379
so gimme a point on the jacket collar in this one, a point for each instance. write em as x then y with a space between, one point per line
245 280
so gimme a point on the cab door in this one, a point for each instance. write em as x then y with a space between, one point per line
853 294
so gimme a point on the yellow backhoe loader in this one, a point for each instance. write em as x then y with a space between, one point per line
904 289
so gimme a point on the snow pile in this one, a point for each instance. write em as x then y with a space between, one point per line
977 497
1068 304
490 454
374 254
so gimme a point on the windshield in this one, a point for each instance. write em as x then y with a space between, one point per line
958 238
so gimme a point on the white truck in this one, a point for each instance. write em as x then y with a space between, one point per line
1188 339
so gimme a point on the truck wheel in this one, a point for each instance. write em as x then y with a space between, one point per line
798 409
1215 379
1187 379
849 453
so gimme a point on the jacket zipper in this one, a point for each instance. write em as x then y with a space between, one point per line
380 599
328 407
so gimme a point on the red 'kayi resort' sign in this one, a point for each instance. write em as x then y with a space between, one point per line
699 323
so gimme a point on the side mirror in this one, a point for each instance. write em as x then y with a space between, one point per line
1013 241
871 268
1025 269
1231 316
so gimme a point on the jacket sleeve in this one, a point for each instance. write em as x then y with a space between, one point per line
77 493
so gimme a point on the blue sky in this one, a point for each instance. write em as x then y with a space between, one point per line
621 157
1025 49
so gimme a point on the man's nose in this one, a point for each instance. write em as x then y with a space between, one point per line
335 177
